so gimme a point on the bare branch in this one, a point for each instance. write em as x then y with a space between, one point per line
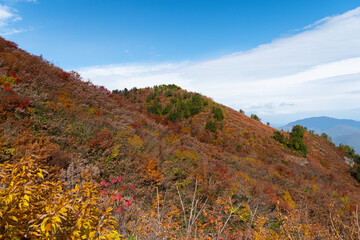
182 205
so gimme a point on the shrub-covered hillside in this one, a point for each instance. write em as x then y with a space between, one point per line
157 163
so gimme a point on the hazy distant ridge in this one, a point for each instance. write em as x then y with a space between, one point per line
345 131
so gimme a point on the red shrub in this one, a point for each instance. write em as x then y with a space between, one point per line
101 140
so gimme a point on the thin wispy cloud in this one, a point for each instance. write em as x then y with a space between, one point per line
312 71
9 15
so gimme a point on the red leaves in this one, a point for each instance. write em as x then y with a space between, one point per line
101 140
114 180
9 103
116 197
135 125
23 103
9 100
13 75
64 75
127 203
175 127
119 209
7 88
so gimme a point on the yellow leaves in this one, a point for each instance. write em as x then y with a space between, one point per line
76 188
287 197
62 212
10 80
47 228
40 174
9 198
152 171
136 142
24 204
172 139
92 234
27 198
233 210
65 100
187 155
39 209
56 219
43 225
78 224
13 218
246 177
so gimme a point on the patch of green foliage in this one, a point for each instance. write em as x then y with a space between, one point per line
218 114
354 170
238 147
327 137
295 141
211 125
125 92
255 117
155 108
180 106
279 136
167 86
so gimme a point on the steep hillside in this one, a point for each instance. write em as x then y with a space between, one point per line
162 143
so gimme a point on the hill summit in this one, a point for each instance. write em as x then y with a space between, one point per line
157 163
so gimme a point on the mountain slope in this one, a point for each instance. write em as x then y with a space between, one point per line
175 141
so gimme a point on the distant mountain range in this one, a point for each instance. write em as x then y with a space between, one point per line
343 131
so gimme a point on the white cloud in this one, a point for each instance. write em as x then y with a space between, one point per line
119 77
312 71
8 15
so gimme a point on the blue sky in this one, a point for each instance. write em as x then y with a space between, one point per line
281 59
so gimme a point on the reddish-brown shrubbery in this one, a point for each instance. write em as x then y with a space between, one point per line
71 126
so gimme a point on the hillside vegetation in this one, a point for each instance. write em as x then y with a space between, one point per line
156 163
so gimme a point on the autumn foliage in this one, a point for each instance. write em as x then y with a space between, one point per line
159 163
33 207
